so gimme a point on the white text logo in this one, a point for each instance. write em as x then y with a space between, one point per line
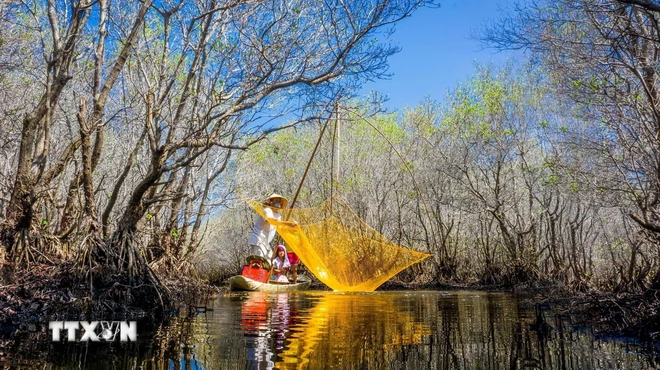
94 331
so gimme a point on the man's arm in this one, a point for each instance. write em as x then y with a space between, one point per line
289 223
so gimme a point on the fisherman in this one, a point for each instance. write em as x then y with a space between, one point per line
263 233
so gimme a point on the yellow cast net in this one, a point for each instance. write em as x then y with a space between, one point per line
340 249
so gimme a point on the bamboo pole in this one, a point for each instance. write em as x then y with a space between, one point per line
304 176
334 169
309 163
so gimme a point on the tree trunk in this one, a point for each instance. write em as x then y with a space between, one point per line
20 213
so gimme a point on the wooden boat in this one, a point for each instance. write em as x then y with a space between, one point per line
242 283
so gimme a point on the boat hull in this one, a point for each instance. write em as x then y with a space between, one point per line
242 283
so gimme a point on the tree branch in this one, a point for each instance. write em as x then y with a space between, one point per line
646 4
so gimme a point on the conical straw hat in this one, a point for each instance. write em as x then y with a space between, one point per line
277 196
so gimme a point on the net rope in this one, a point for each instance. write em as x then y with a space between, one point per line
339 248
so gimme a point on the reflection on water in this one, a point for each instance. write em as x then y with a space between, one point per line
326 330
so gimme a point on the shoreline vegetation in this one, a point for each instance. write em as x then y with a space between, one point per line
131 132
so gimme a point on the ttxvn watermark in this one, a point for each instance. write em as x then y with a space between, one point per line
94 331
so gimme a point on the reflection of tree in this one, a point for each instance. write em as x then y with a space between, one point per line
446 341
490 331
219 336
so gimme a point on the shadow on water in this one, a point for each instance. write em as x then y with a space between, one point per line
321 330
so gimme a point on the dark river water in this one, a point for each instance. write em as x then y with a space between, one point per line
327 330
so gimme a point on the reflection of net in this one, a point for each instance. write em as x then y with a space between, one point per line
340 249
346 329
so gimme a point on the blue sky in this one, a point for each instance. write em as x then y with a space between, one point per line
437 51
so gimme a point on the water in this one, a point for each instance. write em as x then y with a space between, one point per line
326 330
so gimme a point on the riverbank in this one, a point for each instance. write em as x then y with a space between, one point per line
47 292
627 315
